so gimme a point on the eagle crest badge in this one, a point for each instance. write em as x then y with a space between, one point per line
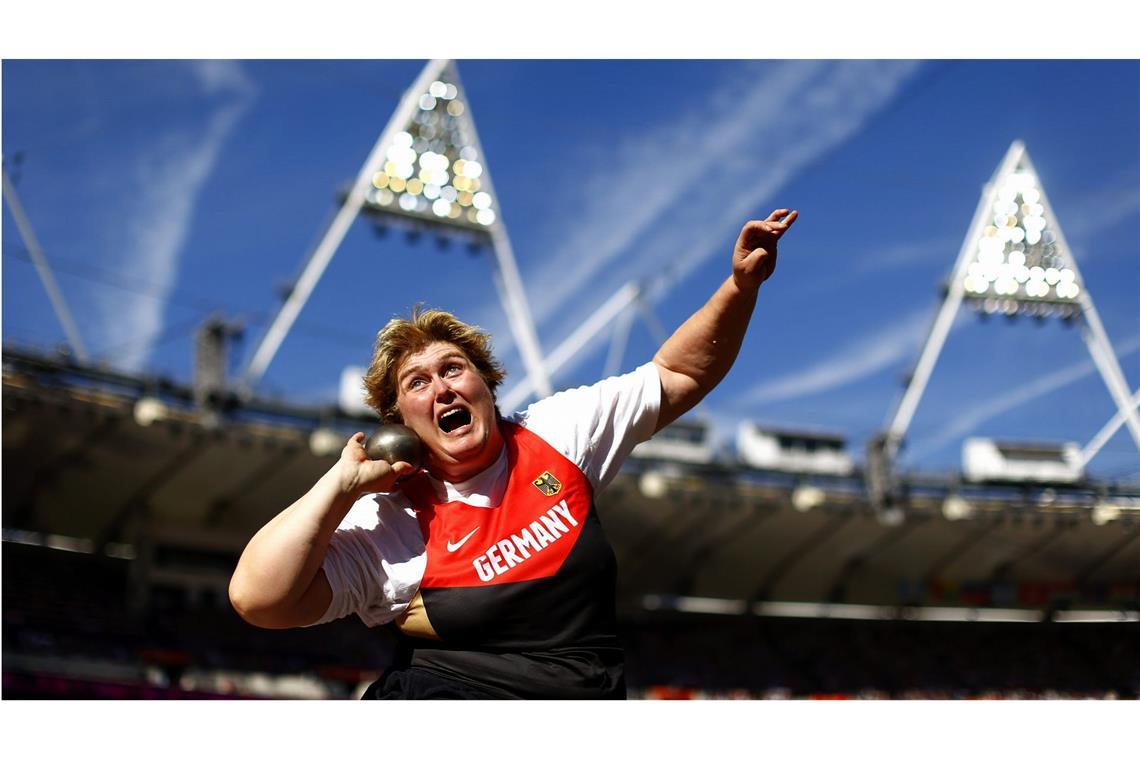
547 483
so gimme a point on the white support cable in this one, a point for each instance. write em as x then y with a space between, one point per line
940 328
1102 437
336 231
626 316
931 349
514 302
62 313
618 343
629 295
618 302
1105 359
1094 334
507 280
656 329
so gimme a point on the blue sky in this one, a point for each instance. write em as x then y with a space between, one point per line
163 191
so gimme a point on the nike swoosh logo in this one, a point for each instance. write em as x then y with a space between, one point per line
452 547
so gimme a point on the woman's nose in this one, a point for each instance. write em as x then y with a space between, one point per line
440 386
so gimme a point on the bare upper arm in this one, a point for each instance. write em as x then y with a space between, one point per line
679 394
308 609
314 603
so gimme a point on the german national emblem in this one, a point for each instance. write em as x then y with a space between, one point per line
547 483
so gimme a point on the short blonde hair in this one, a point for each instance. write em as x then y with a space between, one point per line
401 338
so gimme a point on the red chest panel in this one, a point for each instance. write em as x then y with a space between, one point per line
527 537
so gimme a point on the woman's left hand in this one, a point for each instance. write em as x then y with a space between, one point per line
754 258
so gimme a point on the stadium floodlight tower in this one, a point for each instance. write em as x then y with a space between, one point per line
427 166
1014 260
58 303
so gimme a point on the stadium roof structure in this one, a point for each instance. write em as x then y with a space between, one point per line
111 463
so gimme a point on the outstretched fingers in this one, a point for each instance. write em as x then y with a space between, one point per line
758 232
780 220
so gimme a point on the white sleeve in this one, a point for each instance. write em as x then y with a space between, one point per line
375 561
596 426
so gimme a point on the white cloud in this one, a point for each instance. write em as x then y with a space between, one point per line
788 135
904 254
860 359
163 184
659 203
1100 211
223 78
629 193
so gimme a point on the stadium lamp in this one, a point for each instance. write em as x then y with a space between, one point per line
806 497
149 410
1019 262
1104 512
653 484
956 508
325 442
432 169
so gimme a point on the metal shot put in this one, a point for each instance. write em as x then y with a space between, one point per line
395 443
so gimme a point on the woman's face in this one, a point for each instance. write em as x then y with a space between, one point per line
444 399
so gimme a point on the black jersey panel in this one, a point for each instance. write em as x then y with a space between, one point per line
561 673
522 595
419 683
536 614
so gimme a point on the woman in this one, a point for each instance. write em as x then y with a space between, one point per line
490 561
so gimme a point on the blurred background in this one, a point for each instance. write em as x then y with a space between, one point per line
778 542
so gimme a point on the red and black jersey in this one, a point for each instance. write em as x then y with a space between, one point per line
521 595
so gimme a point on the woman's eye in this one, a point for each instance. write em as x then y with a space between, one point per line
453 369
415 383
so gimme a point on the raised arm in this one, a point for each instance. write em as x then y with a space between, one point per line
699 354
278 582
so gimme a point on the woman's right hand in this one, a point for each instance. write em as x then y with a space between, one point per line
360 475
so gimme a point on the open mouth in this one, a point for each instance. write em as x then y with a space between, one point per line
453 419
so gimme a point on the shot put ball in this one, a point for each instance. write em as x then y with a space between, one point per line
395 443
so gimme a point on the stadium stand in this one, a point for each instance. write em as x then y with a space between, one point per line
125 508
770 657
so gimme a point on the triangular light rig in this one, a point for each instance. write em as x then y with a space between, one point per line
427 168
1019 262
1014 260
433 170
